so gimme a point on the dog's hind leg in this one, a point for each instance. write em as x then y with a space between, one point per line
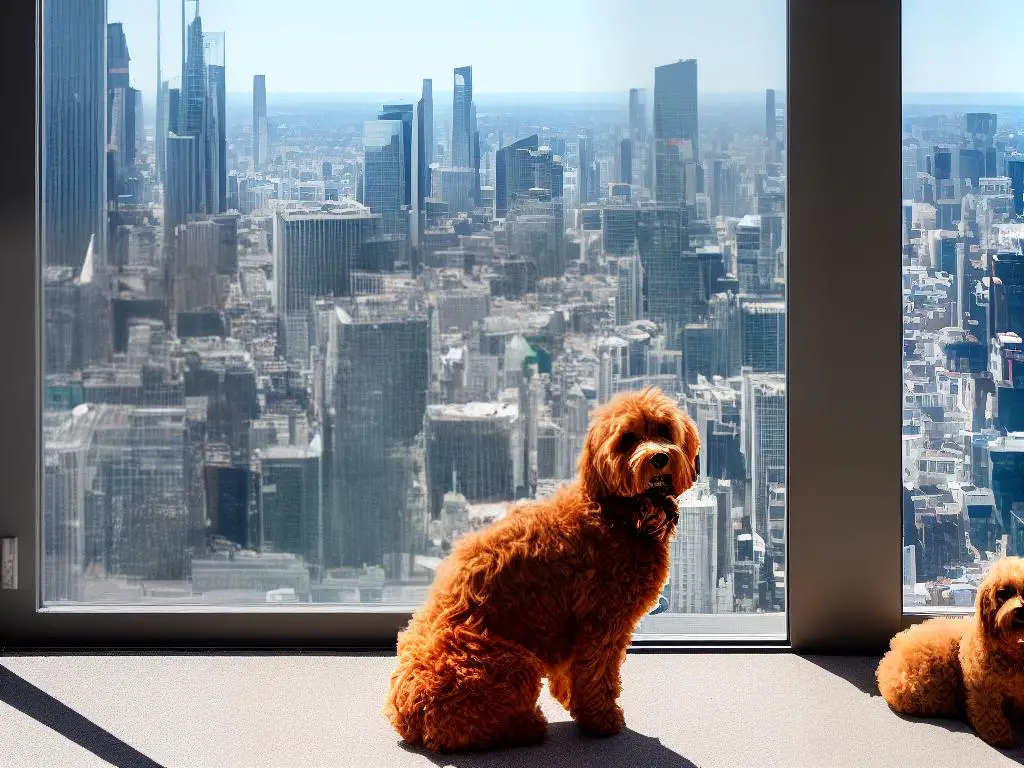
489 695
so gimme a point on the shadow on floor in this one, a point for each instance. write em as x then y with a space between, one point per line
566 747
859 671
42 707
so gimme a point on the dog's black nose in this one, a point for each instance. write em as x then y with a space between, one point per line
659 460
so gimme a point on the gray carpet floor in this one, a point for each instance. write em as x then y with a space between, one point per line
712 711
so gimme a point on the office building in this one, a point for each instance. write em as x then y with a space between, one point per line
67 438
121 112
183 186
291 502
141 461
694 570
404 114
316 248
456 187
471 450
1015 170
764 438
638 136
676 141
384 171
199 116
430 146
214 49
463 127
379 349
626 161
763 325
536 232
229 491
524 170
74 101
585 170
671 278
260 129
629 297
769 116
756 259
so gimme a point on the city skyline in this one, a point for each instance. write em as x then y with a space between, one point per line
316 352
301 58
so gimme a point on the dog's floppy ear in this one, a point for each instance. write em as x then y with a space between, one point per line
689 440
986 609
592 456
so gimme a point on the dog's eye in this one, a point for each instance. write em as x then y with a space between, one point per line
627 441
665 433
1005 593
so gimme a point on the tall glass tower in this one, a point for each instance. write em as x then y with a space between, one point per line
214 51
404 114
260 135
196 117
428 121
675 121
384 170
74 173
463 128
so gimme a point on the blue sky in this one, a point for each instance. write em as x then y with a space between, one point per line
962 46
389 46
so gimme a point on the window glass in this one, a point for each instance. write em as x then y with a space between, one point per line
963 273
327 289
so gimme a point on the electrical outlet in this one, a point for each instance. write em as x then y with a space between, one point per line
8 562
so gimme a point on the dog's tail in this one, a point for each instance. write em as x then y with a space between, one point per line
405 714
403 707
920 675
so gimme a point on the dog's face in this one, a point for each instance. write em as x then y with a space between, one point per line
1000 603
636 442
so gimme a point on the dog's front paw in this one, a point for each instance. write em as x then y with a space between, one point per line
607 722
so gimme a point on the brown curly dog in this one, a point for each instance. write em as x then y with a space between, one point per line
973 666
555 589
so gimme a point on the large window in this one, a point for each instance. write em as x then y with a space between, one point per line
963 283
325 292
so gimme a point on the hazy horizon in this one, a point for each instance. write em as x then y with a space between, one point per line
321 46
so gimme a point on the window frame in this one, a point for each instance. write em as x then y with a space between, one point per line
843 488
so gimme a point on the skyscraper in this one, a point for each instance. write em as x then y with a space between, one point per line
195 107
521 167
183 186
638 135
260 131
290 496
583 173
315 251
1015 170
73 131
675 122
215 54
694 573
120 109
403 113
428 125
463 128
384 169
764 439
770 128
626 161
380 348
671 277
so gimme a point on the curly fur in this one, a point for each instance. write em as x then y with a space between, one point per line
972 666
554 590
